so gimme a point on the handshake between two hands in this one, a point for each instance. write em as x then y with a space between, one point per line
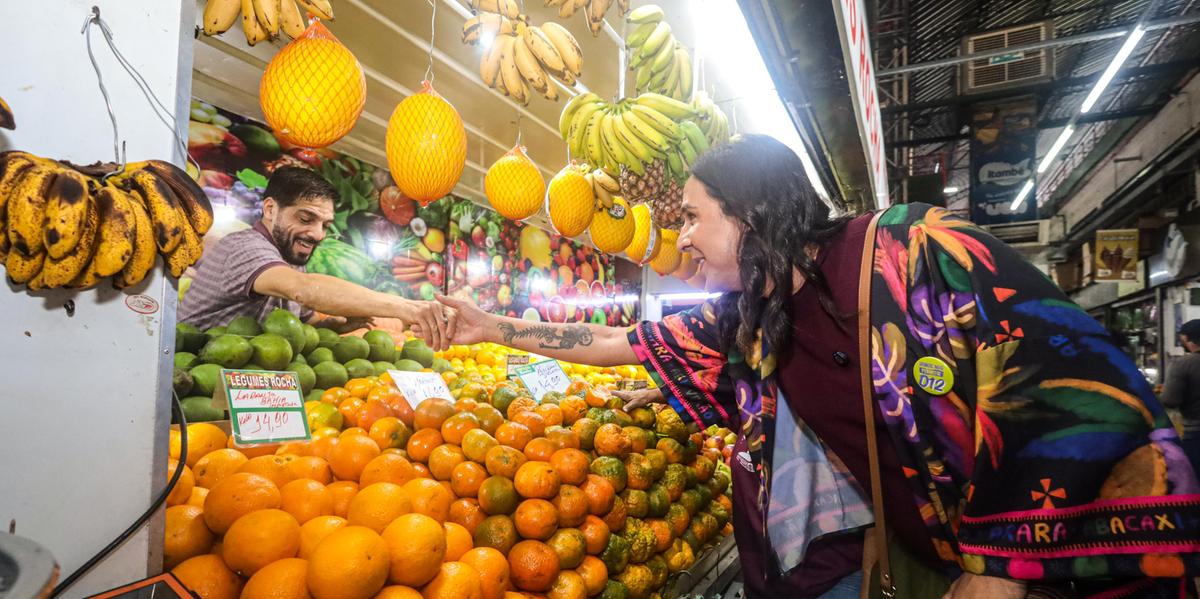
444 322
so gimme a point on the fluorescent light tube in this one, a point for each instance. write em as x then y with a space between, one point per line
1131 42
1056 148
1025 189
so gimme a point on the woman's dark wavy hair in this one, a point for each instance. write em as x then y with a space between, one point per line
760 183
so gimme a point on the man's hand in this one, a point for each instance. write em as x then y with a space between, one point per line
469 327
432 321
969 586
640 397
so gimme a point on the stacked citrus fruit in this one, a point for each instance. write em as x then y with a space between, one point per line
490 495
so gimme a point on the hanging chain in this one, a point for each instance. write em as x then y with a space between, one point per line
160 110
432 36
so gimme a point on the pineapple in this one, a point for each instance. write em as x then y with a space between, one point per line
640 189
666 206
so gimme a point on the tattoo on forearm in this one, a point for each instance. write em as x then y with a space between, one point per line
548 337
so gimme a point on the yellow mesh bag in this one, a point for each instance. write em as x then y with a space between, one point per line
426 145
514 185
313 90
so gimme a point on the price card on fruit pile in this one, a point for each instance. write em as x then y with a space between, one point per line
542 377
417 387
264 406
516 361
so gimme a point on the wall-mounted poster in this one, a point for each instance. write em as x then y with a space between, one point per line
1117 255
1003 151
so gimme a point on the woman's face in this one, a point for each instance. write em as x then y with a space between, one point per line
711 237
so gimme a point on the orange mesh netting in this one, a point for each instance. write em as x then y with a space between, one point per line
313 90
514 186
426 145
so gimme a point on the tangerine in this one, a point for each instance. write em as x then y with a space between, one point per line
432 412
595 532
416 547
203 439
537 480
497 532
540 449
514 434
429 498
443 459
533 566
343 491
536 519
532 420
466 512
458 541
572 505
498 495
504 461
350 563
186 535
454 580
375 506
466 478
457 426
387 468
572 465
570 545
476 443
492 567
422 443
594 573
216 465
388 432
239 494
568 585
351 455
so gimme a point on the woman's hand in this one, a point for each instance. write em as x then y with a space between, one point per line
969 586
640 397
432 321
469 322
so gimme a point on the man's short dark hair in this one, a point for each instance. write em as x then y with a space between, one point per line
291 184
1191 330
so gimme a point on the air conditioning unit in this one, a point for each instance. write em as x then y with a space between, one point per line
1029 235
1010 68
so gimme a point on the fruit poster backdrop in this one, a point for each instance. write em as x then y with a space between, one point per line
387 242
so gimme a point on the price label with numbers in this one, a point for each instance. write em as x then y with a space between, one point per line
417 387
543 377
264 406
515 361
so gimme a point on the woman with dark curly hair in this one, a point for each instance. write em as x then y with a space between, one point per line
913 401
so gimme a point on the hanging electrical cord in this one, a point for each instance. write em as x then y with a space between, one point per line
177 409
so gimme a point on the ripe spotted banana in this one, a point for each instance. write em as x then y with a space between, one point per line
220 15
160 202
529 67
144 248
596 10
606 181
186 254
13 166
57 272
486 23
67 211
293 22
267 12
27 211
190 195
573 106
489 63
508 8
22 269
250 26
114 245
321 8
566 45
543 50
6 116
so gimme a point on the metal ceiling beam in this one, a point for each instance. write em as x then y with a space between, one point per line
1154 70
1097 117
1081 38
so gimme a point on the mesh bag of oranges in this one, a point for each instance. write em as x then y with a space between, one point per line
514 186
313 90
426 145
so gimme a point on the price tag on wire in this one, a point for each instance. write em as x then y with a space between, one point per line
416 387
543 377
264 406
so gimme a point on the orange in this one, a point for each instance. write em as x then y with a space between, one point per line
637 440
252 451
586 429
203 438
416 547
514 434
351 455
458 541
563 438
466 478
353 430
335 395
572 505
186 535
432 412
489 418
443 459
375 506
182 491
311 467
568 585
573 408
398 591
371 412
215 466
293 449
615 518
359 388
596 397
662 534
174 444
520 404
259 538
611 440
387 468
639 472
465 405
540 449
595 532
238 495
533 566
532 420
455 580
208 577
600 494
492 567
343 491
284 579
197 497
497 532
322 447
388 432
350 563
314 531
476 443
430 498
422 470
422 443
536 519
456 426
672 449
466 512
306 499
594 573
550 413
272 467
349 408
537 479
504 461
498 495
572 465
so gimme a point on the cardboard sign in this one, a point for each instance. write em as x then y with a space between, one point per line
417 387
264 406
1117 255
516 361
543 377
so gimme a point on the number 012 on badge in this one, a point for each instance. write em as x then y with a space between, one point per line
933 375
264 406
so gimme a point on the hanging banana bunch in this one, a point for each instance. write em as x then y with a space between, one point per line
6 116
659 62
711 120
594 10
65 226
263 19
522 58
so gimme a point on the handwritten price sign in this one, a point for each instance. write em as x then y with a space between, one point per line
417 387
543 377
264 406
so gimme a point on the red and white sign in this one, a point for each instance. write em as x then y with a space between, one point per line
860 66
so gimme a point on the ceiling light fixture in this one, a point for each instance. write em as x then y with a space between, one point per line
1020 200
1127 48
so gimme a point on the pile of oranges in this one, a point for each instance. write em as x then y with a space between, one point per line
488 495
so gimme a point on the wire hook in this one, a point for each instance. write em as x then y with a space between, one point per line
432 37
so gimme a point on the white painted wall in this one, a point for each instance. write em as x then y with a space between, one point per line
85 397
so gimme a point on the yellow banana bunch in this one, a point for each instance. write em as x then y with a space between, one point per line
596 11
659 62
519 58
631 133
64 226
263 19
711 120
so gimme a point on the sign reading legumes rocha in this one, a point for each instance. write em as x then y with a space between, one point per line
264 406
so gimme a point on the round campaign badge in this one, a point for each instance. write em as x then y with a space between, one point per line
933 375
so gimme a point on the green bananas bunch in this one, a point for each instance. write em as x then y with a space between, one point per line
659 62
712 121
66 226
631 132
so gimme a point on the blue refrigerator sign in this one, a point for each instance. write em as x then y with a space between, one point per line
1003 154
